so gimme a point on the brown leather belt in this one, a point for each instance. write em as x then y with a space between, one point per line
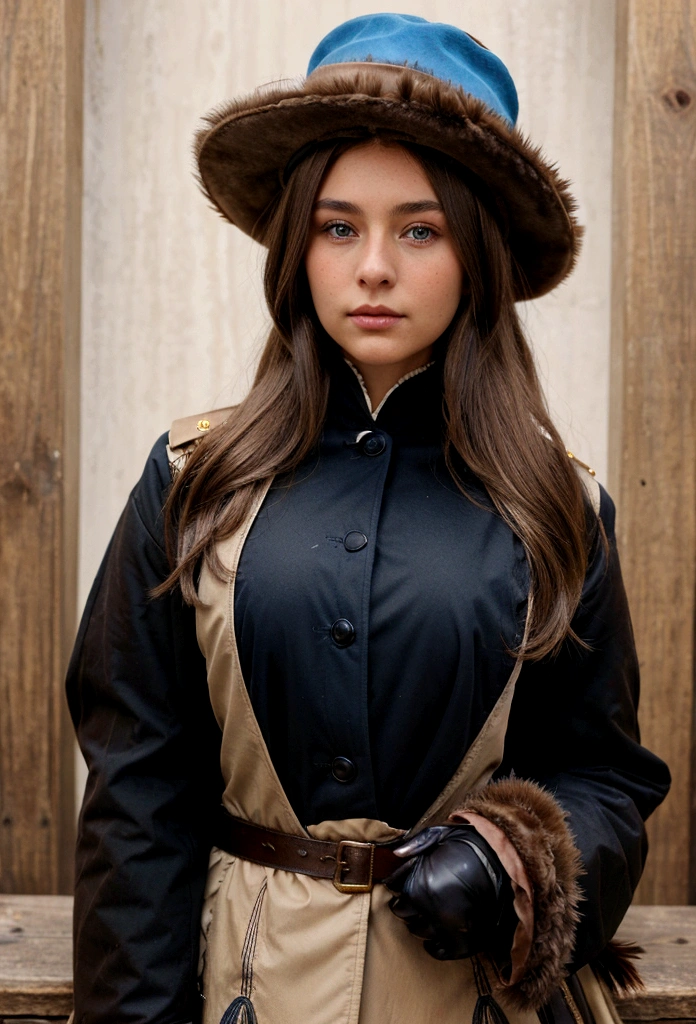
353 867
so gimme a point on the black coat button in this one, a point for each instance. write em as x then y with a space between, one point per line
373 444
343 770
354 541
343 633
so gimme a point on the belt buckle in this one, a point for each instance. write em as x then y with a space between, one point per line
352 887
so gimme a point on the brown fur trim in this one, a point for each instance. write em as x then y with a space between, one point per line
536 826
615 967
245 145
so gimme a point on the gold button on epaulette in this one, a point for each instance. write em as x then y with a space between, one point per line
203 425
583 464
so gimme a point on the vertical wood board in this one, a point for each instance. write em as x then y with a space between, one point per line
652 427
40 208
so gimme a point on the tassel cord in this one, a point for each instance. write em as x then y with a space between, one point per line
240 1011
487 1010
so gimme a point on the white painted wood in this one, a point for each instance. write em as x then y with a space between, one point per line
173 315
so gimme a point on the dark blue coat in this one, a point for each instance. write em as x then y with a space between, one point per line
375 609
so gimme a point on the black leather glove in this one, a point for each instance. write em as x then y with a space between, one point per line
453 892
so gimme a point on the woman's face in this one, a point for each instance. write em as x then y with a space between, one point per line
383 272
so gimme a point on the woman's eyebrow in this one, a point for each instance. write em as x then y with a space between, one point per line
422 206
419 206
337 204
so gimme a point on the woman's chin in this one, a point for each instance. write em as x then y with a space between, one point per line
380 351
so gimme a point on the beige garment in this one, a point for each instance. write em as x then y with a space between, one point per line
304 952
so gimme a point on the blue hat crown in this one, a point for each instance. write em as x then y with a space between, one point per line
436 49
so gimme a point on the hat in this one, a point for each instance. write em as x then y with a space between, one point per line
405 78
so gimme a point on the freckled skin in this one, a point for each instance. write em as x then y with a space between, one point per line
378 255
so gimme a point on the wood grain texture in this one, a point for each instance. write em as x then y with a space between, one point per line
35 958
40 207
668 935
653 453
36 955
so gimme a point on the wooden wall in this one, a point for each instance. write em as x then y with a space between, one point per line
40 206
653 422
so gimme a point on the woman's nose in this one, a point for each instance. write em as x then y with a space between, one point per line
375 266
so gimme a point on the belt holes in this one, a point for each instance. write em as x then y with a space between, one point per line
269 845
302 853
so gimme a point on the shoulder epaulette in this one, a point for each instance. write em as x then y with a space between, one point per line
192 428
588 480
184 435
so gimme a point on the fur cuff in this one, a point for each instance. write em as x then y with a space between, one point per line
534 823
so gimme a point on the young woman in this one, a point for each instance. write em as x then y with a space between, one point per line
374 586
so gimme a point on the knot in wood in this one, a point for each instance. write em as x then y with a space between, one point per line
677 99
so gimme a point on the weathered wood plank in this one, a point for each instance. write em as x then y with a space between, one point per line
40 204
36 916
36 962
36 955
668 935
653 407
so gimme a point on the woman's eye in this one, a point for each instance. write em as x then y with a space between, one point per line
339 230
420 233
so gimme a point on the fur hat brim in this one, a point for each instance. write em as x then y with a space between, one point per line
244 148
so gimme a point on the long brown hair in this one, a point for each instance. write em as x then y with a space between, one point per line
496 417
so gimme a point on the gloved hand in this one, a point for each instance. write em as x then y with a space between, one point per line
454 893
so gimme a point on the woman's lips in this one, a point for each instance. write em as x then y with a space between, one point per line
375 318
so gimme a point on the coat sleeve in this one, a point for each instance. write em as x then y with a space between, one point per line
138 698
575 785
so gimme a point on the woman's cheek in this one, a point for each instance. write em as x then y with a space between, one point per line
435 294
324 279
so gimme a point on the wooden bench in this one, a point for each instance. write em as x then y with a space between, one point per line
35 958
35 961
668 936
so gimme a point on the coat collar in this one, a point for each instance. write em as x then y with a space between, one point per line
410 412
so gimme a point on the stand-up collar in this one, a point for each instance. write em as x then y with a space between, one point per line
411 411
